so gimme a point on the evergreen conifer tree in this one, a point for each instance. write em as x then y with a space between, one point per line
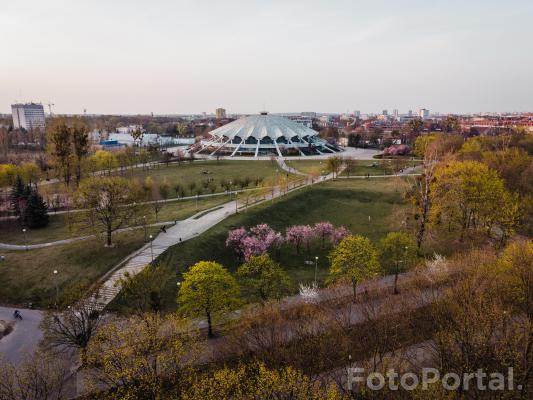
19 194
36 214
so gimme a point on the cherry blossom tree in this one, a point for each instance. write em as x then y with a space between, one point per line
339 234
253 246
256 242
309 236
235 240
295 235
324 231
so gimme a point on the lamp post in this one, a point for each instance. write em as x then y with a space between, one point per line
57 287
25 238
144 223
151 248
316 269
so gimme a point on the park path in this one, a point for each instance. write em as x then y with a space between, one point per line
20 247
182 231
135 263
24 338
283 165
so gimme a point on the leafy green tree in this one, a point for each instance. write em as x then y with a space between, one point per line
208 290
8 174
143 290
469 195
415 126
397 254
334 165
137 136
451 124
145 357
179 189
80 144
422 143
31 173
36 213
515 166
355 259
105 161
257 381
60 148
262 278
110 203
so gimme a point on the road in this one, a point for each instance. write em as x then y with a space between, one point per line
25 336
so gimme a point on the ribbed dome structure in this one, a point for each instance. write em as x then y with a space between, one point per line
265 135
262 126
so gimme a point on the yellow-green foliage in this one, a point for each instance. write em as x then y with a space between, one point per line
354 260
422 142
208 290
256 381
468 195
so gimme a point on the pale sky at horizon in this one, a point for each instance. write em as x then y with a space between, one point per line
190 56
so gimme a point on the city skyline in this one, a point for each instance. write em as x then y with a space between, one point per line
188 57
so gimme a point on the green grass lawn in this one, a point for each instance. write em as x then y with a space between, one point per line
27 276
63 227
348 203
199 172
202 171
311 167
361 168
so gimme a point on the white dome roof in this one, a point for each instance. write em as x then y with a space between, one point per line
260 126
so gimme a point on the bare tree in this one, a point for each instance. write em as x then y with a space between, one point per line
40 377
421 191
71 329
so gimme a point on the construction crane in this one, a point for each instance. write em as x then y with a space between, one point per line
50 104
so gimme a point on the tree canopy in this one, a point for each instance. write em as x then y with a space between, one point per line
208 290
262 278
355 259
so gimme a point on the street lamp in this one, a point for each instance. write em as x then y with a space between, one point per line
25 239
57 287
151 248
316 268
144 223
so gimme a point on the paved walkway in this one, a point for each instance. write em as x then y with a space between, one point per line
182 231
25 336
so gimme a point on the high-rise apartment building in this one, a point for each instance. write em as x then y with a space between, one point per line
220 113
423 113
28 116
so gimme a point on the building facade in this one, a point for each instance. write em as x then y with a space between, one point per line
423 113
28 116
220 113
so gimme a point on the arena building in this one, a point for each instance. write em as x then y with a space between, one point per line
265 135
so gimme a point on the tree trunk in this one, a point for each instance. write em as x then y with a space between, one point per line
209 326
396 283
354 286
109 232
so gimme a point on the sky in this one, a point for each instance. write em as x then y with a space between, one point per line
192 56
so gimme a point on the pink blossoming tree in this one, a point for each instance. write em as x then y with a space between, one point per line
324 231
